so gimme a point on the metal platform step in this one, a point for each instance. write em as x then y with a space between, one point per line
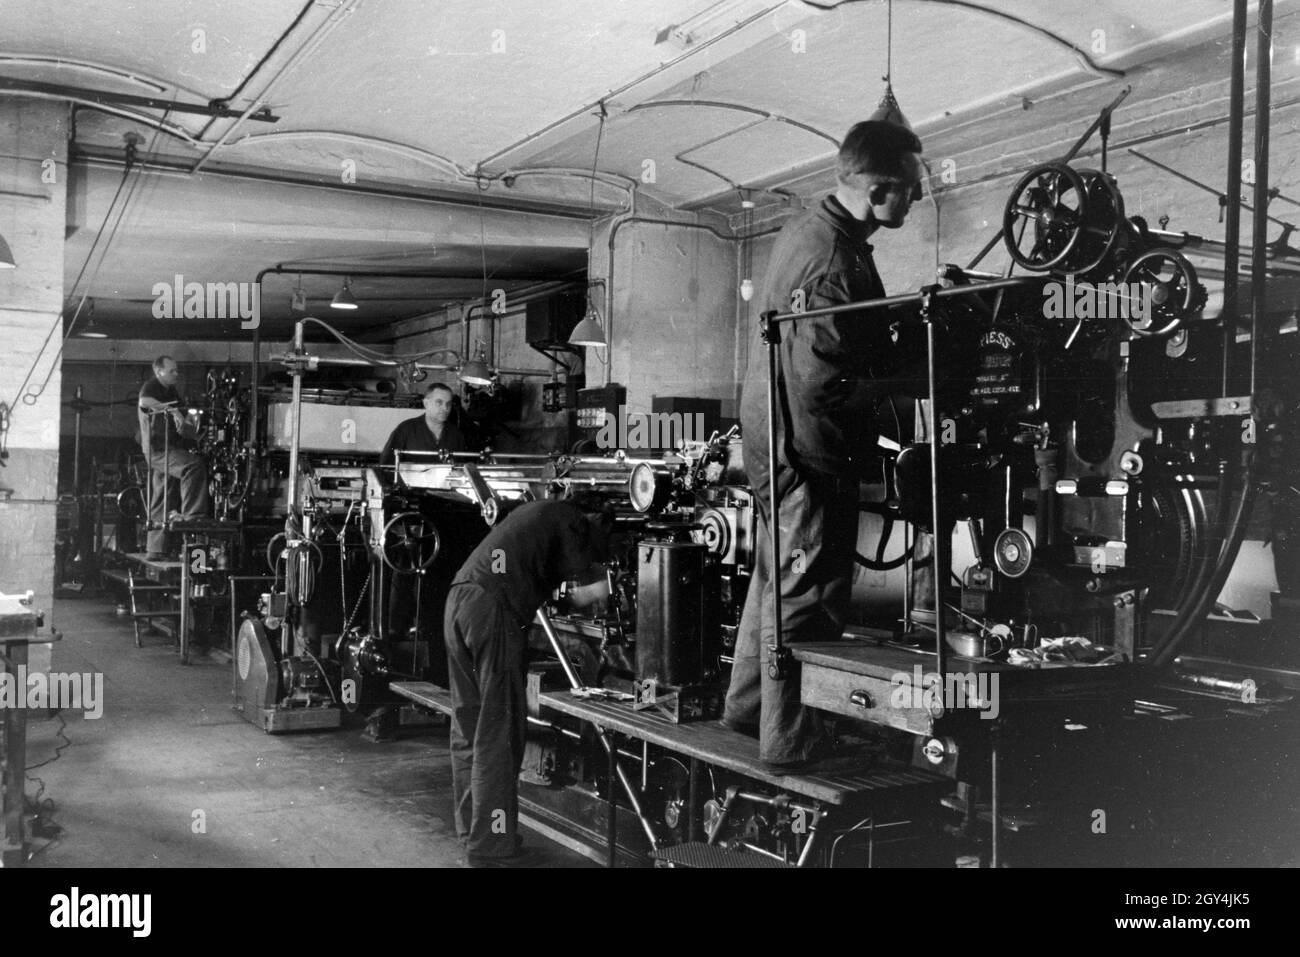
699 854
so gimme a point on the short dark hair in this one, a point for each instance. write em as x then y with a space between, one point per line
876 148
160 362
439 385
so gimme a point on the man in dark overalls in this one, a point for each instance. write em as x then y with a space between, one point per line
832 371
493 599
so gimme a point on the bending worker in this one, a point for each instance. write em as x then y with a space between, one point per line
832 371
163 431
493 600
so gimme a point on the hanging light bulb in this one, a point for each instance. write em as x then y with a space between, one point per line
343 299
746 253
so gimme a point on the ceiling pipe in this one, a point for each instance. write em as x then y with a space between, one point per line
257 67
308 47
522 207
630 85
609 268
97 98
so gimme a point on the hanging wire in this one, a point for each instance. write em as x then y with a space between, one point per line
889 42
32 396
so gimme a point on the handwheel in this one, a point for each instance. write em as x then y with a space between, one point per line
1103 221
1051 198
410 543
131 502
1169 288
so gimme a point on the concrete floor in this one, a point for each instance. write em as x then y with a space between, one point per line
167 746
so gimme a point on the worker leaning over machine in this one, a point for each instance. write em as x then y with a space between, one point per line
832 372
493 599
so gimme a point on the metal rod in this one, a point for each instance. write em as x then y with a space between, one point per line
1232 214
937 551
915 298
995 775
107 98
575 683
1259 239
774 664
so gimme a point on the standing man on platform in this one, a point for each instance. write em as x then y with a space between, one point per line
832 370
163 431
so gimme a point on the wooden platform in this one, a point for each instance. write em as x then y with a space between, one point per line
847 779
425 694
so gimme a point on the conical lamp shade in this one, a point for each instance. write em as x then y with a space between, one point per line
343 299
888 111
6 255
475 372
588 332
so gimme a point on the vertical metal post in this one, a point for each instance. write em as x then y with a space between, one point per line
187 611
1232 212
940 548
13 721
611 807
693 804
996 800
76 454
777 651
1259 237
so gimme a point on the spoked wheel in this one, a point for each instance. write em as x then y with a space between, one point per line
1170 293
1044 219
410 543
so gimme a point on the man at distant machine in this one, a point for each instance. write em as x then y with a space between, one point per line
832 372
494 598
430 432
163 434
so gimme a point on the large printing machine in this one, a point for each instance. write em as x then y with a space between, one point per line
1100 472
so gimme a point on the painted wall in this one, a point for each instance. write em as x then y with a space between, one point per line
33 191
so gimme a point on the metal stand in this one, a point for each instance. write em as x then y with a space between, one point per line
615 769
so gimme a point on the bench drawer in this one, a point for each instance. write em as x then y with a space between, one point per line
860 696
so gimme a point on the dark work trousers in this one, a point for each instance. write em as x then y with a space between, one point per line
402 608
486 659
819 524
193 501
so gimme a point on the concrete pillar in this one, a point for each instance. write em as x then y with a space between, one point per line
33 193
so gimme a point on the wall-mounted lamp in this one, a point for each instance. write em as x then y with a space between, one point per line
589 332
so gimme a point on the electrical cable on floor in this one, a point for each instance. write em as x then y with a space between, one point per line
40 807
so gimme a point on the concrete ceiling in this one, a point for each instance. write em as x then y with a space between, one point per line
444 138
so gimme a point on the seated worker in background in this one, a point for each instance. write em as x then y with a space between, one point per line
494 598
834 370
430 432
163 433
